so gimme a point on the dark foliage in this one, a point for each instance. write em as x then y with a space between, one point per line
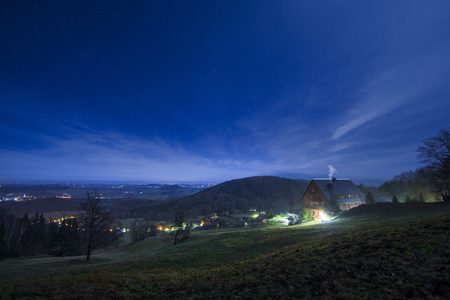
394 199
412 184
369 198
141 229
69 242
30 237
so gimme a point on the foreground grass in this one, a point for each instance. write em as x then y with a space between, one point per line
378 252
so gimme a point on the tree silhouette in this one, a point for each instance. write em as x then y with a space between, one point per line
369 198
96 223
179 216
435 152
69 242
394 199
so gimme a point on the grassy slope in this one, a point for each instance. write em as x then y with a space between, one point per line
380 251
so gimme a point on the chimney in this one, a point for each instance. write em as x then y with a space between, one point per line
334 179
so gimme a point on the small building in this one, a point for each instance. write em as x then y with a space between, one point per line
323 192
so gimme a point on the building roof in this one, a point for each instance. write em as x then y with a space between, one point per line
339 187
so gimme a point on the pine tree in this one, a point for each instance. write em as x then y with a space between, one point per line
68 238
421 198
394 199
37 235
52 236
369 198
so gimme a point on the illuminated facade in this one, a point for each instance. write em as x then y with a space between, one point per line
321 193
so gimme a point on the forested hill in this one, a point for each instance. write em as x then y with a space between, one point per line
262 192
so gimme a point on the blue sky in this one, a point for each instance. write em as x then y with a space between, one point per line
208 91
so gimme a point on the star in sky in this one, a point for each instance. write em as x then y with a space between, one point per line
157 91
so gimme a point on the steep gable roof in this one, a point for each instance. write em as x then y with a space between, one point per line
343 188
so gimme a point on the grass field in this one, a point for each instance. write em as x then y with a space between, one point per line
382 251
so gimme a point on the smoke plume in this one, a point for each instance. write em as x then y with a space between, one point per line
331 171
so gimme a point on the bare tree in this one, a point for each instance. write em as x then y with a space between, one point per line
96 222
435 152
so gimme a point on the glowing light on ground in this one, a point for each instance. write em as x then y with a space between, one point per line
324 217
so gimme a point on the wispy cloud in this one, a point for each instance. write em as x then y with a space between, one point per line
397 89
115 156
383 94
355 101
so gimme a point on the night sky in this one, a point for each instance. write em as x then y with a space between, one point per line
208 91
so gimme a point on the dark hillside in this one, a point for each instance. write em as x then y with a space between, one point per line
266 192
175 191
42 205
262 192
380 211
132 208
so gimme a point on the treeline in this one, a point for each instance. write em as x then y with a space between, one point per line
411 186
142 229
407 187
32 236
427 184
25 236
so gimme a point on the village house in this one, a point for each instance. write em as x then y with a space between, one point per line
324 192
